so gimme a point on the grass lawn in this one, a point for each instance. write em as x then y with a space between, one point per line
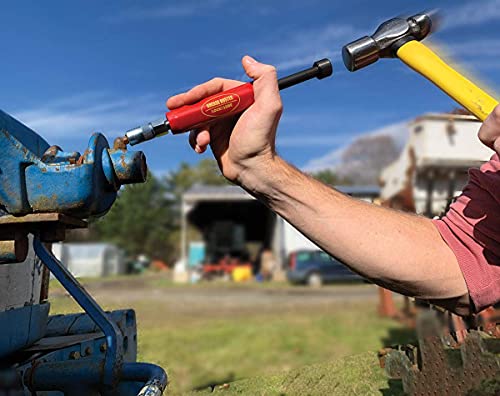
203 338
352 375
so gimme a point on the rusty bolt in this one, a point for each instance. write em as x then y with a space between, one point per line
75 355
103 347
120 143
88 351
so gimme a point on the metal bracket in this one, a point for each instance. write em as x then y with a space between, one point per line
14 232
441 363
114 370
89 305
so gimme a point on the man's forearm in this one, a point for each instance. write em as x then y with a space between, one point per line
400 251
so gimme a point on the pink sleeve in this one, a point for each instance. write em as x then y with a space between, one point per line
471 228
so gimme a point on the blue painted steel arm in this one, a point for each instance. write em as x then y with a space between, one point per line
82 378
26 136
115 370
90 306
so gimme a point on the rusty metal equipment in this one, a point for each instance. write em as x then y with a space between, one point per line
442 364
45 191
38 178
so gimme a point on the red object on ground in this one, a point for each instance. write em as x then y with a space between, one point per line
159 265
386 307
223 267
227 103
292 261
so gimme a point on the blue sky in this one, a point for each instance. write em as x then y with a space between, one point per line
73 67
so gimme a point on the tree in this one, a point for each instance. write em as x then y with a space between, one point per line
204 172
330 178
140 220
145 217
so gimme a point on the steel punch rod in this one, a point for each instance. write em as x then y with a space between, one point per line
221 105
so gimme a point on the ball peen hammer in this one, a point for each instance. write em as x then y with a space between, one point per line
400 37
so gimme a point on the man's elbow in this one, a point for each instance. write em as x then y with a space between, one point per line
461 305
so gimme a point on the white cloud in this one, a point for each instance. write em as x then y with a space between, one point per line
472 13
301 47
306 140
77 116
176 10
398 131
134 14
473 54
483 47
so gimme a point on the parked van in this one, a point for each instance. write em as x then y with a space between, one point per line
315 267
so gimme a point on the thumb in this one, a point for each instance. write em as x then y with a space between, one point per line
265 80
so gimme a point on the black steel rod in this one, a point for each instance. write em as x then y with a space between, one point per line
320 69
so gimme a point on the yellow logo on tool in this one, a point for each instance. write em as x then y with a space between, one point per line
217 106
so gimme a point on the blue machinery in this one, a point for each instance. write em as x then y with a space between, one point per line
43 192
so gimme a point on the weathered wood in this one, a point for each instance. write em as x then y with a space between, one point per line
20 283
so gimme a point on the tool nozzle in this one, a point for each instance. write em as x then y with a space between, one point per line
147 132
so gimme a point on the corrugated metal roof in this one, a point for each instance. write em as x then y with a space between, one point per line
213 193
228 193
359 190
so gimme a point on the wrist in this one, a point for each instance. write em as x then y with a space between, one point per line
262 179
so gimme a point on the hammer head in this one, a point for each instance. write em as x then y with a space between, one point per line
386 40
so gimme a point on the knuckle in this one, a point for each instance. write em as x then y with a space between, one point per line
496 114
484 135
277 106
491 127
270 69
195 88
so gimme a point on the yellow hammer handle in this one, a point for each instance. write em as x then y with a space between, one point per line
424 61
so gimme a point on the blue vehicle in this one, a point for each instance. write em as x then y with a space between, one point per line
315 267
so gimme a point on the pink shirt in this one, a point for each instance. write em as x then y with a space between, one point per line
472 230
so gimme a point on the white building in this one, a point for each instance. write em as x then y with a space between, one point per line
91 259
433 166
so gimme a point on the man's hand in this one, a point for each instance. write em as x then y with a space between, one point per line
246 142
489 133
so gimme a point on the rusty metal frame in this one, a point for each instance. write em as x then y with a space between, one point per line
441 364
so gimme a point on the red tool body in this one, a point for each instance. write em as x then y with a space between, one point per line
224 104
232 101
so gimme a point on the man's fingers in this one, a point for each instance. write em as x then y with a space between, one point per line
255 69
489 133
203 139
201 91
265 84
199 140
